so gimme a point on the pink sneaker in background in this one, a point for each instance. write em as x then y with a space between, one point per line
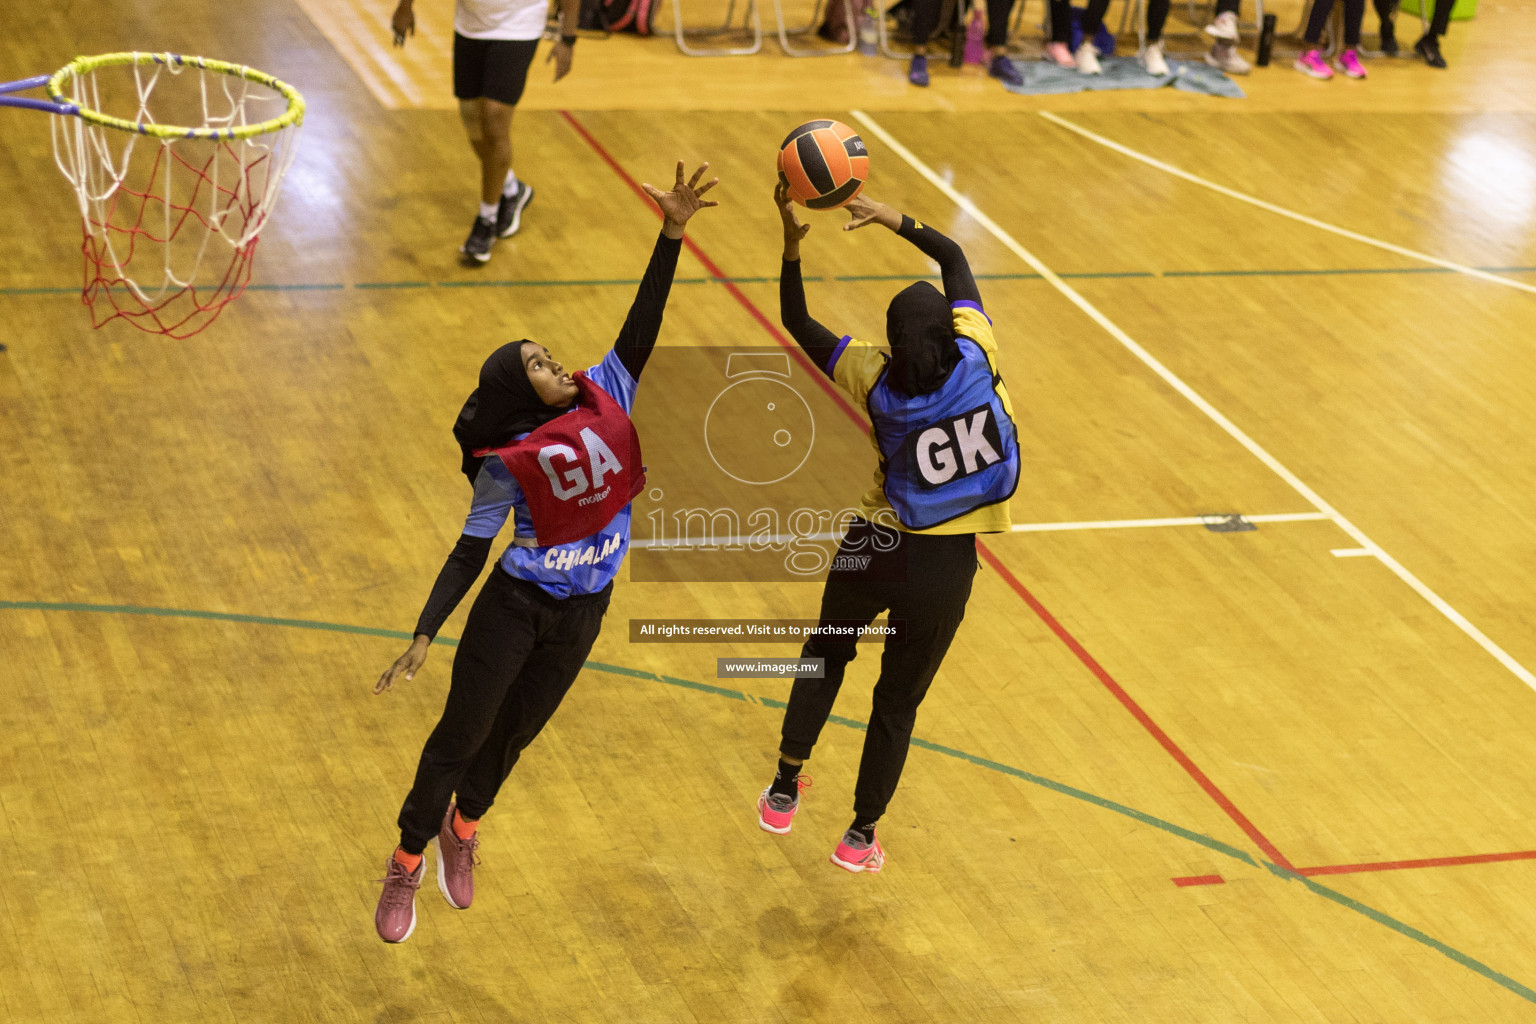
1060 54
1312 63
1349 63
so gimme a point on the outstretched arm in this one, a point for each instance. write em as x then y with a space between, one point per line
643 324
959 285
818 342
458 574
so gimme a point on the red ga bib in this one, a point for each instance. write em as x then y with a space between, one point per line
578 470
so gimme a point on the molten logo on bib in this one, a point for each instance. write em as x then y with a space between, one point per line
954 448
578 470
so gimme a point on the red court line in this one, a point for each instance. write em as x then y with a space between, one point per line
730 286
1201 779
1087 659
1428 862
1183 883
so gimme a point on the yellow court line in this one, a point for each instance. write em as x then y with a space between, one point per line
1413 254
1440 604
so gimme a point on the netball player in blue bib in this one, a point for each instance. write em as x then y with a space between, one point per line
557 454
947 463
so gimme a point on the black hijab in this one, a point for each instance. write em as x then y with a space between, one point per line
921 331
503 405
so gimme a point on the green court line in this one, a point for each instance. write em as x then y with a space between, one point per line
186 613
634 282
1300 272
1215 845
294 287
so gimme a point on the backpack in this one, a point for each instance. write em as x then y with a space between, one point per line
618 15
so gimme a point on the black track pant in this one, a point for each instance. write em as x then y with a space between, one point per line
1354 14
925 19
520 653
924 582
1441 19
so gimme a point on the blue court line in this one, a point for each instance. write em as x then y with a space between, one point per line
1210 843
634 282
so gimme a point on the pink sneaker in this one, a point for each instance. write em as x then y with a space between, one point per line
1312 63
775 811
853 854
456 862
1349 63
1061 54
395 917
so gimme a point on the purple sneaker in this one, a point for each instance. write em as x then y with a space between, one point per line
1002 68
775 811
1349 63
395 917
456 862
917 74
1312 64
854 854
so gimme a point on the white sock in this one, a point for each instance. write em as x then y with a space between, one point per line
510 185
488 210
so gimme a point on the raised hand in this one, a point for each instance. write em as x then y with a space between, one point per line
685 199
793 229
863 210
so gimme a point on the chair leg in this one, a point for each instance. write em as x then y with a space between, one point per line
750 20
818 51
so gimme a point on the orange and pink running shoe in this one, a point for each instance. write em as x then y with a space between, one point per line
775 811
395 917
854 854
456 861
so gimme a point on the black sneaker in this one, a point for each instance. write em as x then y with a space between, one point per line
1389 47
481 237
509 212
1429 48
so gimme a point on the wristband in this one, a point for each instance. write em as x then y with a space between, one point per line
568 40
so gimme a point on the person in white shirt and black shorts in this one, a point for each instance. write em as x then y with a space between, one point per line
493 45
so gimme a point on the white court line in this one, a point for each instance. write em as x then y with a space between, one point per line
1124 524
1413 254
1168 377
1352 552
740 543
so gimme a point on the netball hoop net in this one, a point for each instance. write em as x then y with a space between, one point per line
176 162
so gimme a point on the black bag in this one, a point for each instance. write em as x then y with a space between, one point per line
618 15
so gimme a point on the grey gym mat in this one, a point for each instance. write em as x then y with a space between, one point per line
1045 78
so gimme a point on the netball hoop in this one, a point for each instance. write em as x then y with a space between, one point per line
173 195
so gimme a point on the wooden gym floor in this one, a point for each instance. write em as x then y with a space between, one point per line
1167 774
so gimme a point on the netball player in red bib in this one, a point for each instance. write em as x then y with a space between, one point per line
558 454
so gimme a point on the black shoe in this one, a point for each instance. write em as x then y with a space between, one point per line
1428 47
1389 45
481 237
509 212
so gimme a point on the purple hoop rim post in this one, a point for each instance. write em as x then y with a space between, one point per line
35 82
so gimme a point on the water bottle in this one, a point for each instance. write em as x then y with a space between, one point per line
869 32
1266 41
975 34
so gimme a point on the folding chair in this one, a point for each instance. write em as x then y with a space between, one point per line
749 22
815 51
